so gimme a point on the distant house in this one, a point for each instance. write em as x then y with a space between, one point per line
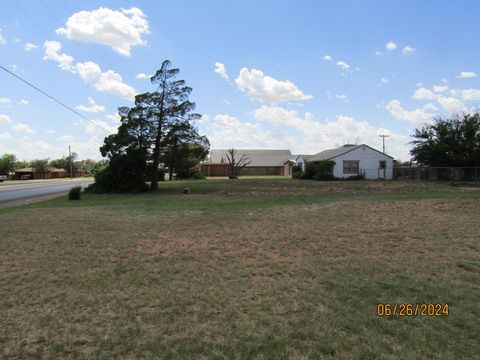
262 162
353 160
301 160
32 174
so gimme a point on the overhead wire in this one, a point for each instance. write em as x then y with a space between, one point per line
55 99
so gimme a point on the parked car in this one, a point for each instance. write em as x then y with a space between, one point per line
3 177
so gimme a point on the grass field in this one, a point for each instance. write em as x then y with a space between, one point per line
246 269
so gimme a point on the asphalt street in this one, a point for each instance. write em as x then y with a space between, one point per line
12 192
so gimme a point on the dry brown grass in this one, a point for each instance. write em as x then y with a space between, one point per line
283 281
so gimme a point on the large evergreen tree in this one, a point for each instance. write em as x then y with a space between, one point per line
156 127
453 141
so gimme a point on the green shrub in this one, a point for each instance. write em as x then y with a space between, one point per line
297 172
319 170
75 192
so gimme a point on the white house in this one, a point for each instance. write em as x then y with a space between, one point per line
353 160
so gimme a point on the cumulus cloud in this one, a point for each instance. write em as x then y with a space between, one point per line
408 50
424 94
327 58
5 119
390 46
383 81
440 88
343 65
119 29
452 105
29 46
2 39
315 136
143 76
5 101
98 127
109 81
378 53
342 97
22 128
418 116
466 94
93 108
466 74
52 52
221 70
259 86
66 138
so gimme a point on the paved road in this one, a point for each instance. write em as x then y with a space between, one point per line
13 192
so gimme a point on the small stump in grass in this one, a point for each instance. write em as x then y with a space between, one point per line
186 190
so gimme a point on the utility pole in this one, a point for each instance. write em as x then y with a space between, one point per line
383 136
71 162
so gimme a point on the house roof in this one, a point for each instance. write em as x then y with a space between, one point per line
49 169
333 153
257 157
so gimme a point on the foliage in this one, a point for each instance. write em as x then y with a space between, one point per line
184 149
319 170
98 166
40 165
157 128
74 193
234 165
297 172
453 141
7 164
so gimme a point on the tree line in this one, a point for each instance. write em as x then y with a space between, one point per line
9 164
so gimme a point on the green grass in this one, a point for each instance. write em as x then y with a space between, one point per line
253 268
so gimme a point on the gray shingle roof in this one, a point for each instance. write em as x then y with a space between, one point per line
333 153
256 156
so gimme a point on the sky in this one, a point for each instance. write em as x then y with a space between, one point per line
299 75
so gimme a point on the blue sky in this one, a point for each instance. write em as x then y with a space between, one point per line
302 75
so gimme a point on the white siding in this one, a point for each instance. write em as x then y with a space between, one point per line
301 162
369 163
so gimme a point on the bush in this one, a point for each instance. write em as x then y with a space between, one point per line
297 172
75 192
319 170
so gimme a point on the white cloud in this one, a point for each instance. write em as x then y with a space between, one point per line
390 46
452 105
343 65
467 94
109 81
50 131
5 119
327 58
29 46
143 76
315 136
265 88
13 67
88 71
2 39
418 116
5 101
98 127
115 118
6 136
378 53
93 108
466 74
424 94
22 128
23 102
221 70
119 29
408 50
52 49
440 88
342 97
419 84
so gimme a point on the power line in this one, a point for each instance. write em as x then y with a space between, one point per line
56 100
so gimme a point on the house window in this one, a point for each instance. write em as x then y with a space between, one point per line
382 164
351 166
